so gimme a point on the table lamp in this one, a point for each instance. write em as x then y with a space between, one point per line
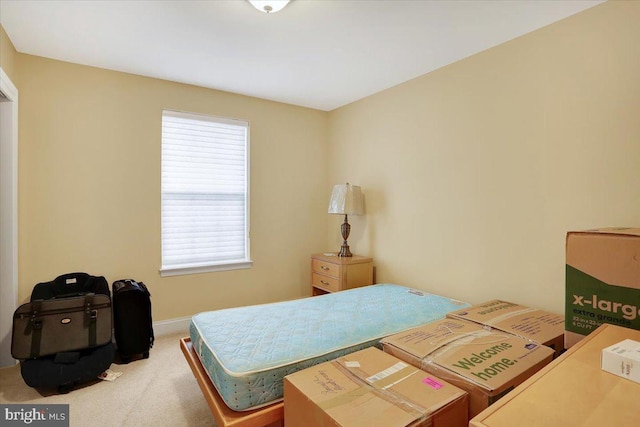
346 199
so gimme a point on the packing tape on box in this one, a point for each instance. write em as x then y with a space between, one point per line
378 388
459 339
393 375
345 398
455 339
507 316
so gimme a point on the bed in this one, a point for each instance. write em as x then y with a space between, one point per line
241 355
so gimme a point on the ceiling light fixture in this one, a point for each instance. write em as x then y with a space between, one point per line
269 6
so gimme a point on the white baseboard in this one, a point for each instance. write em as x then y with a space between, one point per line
171 326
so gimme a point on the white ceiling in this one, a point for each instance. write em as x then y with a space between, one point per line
315 53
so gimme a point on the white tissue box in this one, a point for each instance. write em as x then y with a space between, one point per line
623 359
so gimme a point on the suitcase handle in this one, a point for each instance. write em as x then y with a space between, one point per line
36 328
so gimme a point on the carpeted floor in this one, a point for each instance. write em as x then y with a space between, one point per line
159 391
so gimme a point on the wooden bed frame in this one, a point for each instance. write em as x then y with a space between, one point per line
269 416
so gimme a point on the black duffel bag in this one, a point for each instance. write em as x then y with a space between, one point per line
71 284
46 327
66 370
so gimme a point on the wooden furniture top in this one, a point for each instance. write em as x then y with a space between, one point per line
343 260
572 390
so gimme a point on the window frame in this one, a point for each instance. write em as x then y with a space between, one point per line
234 264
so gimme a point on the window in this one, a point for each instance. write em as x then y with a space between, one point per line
205 193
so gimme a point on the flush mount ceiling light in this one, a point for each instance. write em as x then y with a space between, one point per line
269 6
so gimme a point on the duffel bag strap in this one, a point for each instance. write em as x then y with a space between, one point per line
36 328
91 317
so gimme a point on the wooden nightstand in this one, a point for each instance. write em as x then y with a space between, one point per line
334 273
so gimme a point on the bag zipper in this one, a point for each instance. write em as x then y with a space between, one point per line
63 311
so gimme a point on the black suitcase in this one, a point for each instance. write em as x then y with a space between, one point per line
132 319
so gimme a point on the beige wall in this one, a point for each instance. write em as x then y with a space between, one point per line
7 54
474 173
89 185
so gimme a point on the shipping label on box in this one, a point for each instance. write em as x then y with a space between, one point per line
370 387
529 323
602 281
623 359
485 363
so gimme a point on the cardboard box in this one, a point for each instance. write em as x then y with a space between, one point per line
371 388
571 391
486 363
531 324
602 281
623 359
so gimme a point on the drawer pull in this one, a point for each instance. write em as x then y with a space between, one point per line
322 267
324 283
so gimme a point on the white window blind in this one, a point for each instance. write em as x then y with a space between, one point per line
205 197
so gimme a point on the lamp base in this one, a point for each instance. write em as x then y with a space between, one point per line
345 228
344 251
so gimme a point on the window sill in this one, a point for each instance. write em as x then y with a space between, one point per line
196 269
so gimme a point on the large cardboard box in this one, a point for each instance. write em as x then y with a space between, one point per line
571 391
529 323
371 388
602 281
486 363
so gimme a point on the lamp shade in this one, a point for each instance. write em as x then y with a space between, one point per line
346 199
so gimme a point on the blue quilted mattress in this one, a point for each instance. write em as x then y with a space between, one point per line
247 351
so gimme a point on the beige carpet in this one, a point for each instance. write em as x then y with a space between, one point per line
157 391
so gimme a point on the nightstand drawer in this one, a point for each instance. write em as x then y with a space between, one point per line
331 273
326 268
325 282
